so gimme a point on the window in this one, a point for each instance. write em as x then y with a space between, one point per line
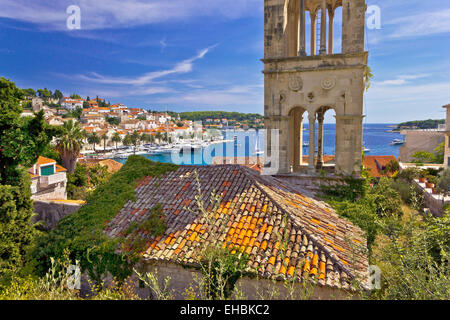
47 170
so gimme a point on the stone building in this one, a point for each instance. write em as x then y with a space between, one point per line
305 82
447 138
419 140
284 234
48 180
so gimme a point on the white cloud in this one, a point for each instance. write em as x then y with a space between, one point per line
181 67
100 14
422 24
401 80
235 96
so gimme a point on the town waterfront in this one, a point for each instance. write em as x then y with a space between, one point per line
377 138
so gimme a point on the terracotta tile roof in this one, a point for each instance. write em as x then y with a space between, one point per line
43 160
113 166
258 210
60 168
375 164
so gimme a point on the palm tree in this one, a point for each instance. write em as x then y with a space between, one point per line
104 137
69 143
135 138
116 138
94 139
159 136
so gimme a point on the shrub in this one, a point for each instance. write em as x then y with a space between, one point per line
415 266
82 233
387 201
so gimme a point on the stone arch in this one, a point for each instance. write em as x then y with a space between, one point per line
295 141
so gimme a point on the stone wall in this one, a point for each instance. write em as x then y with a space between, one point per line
181 278
419 140
50 213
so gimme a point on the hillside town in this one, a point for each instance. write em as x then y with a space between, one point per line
304 200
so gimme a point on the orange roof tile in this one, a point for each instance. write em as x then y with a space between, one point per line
258 214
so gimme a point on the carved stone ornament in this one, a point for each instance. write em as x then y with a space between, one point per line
328 83
282 97
310 97
295 83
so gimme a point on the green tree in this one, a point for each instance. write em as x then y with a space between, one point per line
75 96
69 143
135 139
22 141
158 136
30 93
127 140
94 139
116 138
439 153
104 137
58 94
44 93
444 181
423 157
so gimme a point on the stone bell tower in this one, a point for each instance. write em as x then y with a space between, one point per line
305 82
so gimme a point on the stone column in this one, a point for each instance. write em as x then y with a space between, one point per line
330 30
313 32
297 141
312 141
323 28
320 118
302 33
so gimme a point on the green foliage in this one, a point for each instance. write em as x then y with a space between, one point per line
155 225
415 264
387 201
75 96
203 115
69 143
421 124
113 121
82 233
444 181
349 188
392 167
44 93
29 93
58 94
423 157
84 180
16 231
22 139
439 153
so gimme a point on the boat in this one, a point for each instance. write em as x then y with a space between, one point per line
397 142
366 149
258 152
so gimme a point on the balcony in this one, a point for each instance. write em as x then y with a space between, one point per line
45 181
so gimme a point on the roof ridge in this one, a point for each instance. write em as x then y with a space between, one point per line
311 237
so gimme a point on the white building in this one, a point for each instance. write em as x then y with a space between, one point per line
48 180
72 104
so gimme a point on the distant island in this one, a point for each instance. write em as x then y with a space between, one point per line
219 118
419 124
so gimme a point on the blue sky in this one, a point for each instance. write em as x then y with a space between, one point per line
205 54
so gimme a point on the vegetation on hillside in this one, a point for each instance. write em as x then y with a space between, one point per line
22 141
421 124
203 115
411 248
82 234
